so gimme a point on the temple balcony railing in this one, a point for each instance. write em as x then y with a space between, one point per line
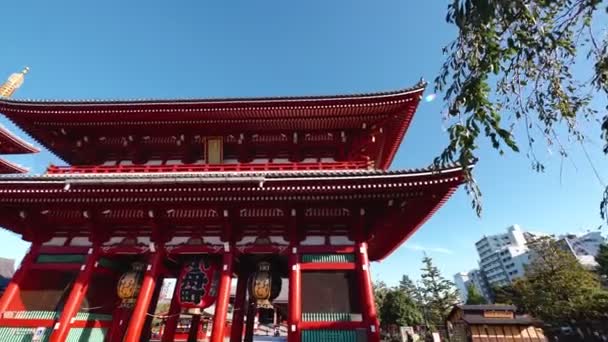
347 165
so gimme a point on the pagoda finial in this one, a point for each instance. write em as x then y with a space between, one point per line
13 83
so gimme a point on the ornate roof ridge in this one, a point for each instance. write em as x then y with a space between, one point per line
268 175
420 85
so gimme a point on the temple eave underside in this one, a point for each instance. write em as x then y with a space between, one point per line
327 210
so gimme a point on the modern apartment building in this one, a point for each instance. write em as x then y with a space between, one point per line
503 257
475 278
584 247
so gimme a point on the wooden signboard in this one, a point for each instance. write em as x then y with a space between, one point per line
498 314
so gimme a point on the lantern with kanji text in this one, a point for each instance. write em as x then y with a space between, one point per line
198 282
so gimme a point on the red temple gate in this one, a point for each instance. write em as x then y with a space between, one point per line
298 183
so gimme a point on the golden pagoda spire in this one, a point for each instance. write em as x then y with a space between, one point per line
13 83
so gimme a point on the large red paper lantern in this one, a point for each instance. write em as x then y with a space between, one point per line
198 282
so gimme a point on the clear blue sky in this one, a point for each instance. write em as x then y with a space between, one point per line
152 49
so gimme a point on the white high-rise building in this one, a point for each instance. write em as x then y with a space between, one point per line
584 247
475 278
503 257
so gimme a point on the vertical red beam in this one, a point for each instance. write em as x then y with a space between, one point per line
146 292
238 314
120 318
171 323
147 330
251 311
12 290
368 306
77 293
295 282
295 300
223 298
195 325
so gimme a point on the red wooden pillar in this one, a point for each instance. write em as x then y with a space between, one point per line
77 293
195 326
171 323
120 318
295 300
12 290
368 306
223 298
238 313
144 298
251 311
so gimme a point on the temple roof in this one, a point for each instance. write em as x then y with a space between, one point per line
74 130
12 144
230 100
169 177
7 167
397 202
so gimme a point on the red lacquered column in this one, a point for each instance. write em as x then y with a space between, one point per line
368 306
12 289
195 326
238 314
295 300
146 292
79 290
223 297
251 310
171 324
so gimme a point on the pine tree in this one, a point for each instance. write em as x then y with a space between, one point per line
380 291
474 297
439 294
409 288
557 288
505 294
400 309
602 260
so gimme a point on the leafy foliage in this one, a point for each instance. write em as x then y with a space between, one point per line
474 297
400 309
438 294
511 67
505 294
557 288
602 260
380 291
407 285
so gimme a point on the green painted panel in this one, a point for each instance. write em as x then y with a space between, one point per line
13 334
86 316
87 334
328 258
111 264
35 315
60 258
326 316
329 336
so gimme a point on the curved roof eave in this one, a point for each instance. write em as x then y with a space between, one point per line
7 168
364 174
20 145
420 86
